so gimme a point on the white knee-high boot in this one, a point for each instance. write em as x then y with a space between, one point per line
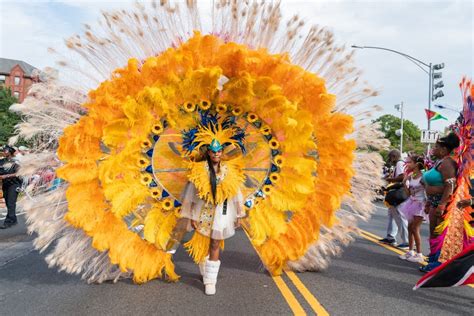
210 276
202 266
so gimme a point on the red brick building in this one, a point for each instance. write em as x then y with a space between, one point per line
18 76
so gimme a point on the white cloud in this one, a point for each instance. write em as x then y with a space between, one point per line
433 31
26 34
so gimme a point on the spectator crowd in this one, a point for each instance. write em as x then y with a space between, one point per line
418 191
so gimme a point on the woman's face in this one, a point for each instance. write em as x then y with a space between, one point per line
393 158
215 156
410 164
438 151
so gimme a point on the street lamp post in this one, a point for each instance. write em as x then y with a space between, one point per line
429 71
430 92
399 107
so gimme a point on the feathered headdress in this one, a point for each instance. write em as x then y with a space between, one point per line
212 129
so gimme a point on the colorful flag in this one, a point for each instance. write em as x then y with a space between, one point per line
455 272
433 116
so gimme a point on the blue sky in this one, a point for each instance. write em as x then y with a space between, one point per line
432 31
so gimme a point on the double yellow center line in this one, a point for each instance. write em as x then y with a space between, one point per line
290 298
316 307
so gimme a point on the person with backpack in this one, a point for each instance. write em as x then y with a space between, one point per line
397 223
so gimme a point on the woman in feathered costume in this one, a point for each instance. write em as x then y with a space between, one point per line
212 200
450 228
128 129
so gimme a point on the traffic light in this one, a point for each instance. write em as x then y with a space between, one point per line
437 85
440 84
438 94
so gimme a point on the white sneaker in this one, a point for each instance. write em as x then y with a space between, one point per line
407 255
418 258
210 289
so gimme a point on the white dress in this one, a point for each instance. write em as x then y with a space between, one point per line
415 204
222 224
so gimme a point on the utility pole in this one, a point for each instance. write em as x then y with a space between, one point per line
401 129
433 86
430 92
430 96
399 107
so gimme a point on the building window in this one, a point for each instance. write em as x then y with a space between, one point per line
16 94
2 78
17 81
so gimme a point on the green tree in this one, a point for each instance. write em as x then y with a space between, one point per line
8 119
389 124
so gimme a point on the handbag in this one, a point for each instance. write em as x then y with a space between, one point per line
396 195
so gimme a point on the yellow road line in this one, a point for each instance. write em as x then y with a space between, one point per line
295 306
370 234
375 240
291 300
312 301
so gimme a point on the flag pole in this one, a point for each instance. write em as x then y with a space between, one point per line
430 92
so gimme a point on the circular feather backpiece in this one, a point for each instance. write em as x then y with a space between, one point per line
287 109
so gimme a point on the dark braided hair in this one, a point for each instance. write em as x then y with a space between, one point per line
419 161
450 142
212 177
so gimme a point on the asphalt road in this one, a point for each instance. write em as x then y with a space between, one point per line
367 279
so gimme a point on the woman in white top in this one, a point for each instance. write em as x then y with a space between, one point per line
413 207
225 215
212 206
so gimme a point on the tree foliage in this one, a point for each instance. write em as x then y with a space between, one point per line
389 124
8 119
